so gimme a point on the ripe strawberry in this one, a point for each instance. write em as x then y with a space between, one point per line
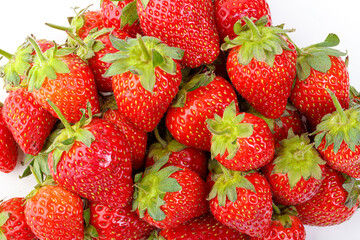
8 147
121 15
179 25
242 201
12 220
320 67
146 78
228 12
118 223
337 138
199 100
240 141
166 197
55 213
297 171
27 120
205 227
335 202
92 158
262 66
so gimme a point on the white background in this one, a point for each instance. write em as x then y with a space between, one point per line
312 19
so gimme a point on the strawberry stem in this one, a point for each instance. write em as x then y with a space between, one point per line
58 27
256 35
343 117
276 209
143 48
6 54
77 39
37 50
159 138
61 117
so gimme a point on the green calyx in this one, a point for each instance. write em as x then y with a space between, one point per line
341 125
283 214
298 158
90 231
128 14
226 184
141 56
37 165
4 216
317 56
145 3
351 185
257 41
151 187
226 130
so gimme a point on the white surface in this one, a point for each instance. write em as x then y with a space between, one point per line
313 20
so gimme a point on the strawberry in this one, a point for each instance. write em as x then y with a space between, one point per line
63 78
201 98
337 138
121 15
228 12
146 78
205 227
8 147
335 202
12 220
55 213
242 201
240 141
262 66
92 158
179 25
166 197
320 67
27 120
297 171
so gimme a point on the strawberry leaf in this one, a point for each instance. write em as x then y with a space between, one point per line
129 14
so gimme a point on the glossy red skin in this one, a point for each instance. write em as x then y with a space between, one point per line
205 227
327 207
70 92
228 12
255 151
251 212
178 25
16 227
111 17
190 158
27 120
279 232
104 84
311 98
303 191
136 138
266 88
188 124
101 172
55 213
142 108
8 147
92 20
181 206
118 223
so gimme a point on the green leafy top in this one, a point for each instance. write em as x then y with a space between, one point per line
317 56
351 185
90 232
257 41
151 187
4 216
141 56
341 125
226 130
129 14
283 214
297 158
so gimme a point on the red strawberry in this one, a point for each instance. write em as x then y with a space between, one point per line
320 67
8 147
337 138
205 227
121 15
55 213
242 201
240 141
199 100
228 12
178 24
28 121
166 197
12 220
335 202
146 78
262 66
296 173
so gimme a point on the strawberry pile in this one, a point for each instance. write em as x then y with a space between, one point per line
160 119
